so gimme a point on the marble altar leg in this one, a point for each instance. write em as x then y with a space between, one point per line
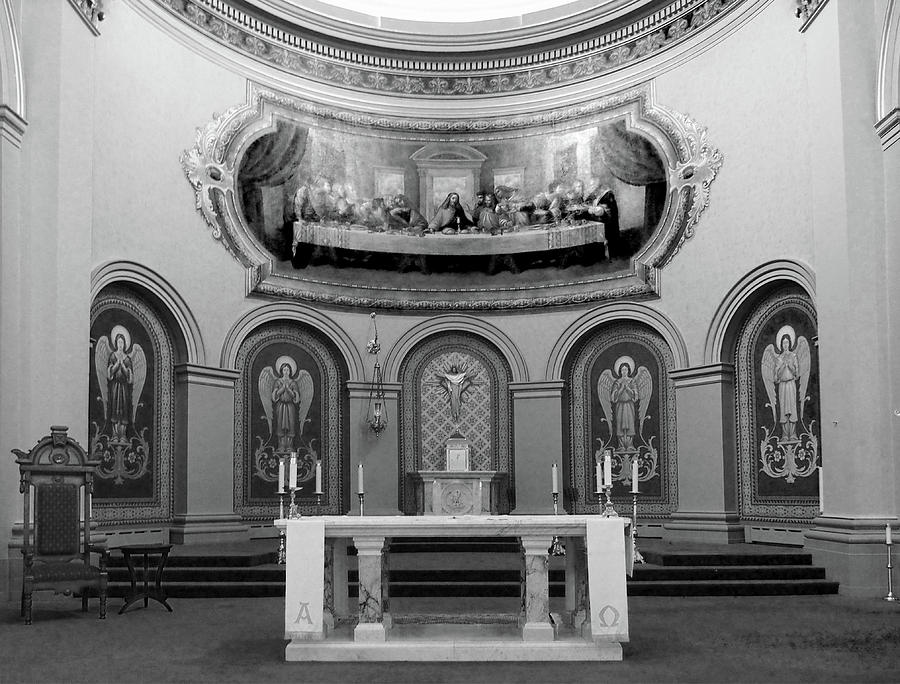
577 602
537 589
368 554
386 617
328 608
341 591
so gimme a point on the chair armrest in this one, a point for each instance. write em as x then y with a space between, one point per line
28 557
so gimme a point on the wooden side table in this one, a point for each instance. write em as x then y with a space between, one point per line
155 592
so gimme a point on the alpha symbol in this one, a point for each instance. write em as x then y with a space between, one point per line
304 613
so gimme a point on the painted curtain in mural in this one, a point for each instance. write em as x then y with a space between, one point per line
454 383
130 409
288 399
620 401
778 410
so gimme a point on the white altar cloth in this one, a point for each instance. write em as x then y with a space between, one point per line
598 557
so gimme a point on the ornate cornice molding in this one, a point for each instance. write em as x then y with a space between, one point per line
456 75
211 167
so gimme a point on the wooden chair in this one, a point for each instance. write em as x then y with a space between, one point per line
57 539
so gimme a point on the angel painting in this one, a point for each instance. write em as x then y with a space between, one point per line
121 369
286 397
785 374
625 398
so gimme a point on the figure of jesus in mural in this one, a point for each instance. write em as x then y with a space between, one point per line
455 382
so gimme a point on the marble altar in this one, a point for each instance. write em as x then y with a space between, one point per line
598 558
463 492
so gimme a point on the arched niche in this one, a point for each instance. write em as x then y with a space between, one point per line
888 77
12 82
131 405
454 382
619 398
778 425
289 395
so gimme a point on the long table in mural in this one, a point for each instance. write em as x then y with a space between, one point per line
531 239
592 627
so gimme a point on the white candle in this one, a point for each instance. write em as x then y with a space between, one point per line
821 491
599 473
607 468
634 476
318 477
555 479
887 535
292 471
359 488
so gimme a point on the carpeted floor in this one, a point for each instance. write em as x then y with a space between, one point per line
704 639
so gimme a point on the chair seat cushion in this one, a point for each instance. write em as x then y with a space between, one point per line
56 572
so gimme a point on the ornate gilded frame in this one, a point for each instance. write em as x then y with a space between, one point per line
212 164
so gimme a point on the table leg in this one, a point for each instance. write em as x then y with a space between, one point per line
132 576
159 594
537 589
368 554
146 579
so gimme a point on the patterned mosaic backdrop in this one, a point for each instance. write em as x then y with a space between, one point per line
454 383
288 398
130 410
621 401
778 410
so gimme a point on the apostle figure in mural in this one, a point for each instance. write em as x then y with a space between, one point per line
450 217
286 398
455 381
121 369
785 375
625 398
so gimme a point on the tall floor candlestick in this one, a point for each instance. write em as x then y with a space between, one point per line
638 558
890 567
282 550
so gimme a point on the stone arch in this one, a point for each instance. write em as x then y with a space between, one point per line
12 81
189 342
888 77
622 311
729 316
426 411
456 323
290 311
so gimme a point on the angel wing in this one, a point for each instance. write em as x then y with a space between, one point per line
102 350
767 368
804 360
644 382
266 383
604 386
306 390
138 377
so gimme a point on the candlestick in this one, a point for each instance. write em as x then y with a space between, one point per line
890 572
280 474
294 509
555 477
608 510
359 480
636 555
634 475
362 510
556 546
607 468
282 551
292 471
318 478
821 491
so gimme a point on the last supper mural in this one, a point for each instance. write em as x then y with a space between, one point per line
588 198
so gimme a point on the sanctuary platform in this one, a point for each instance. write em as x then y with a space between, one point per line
592 626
